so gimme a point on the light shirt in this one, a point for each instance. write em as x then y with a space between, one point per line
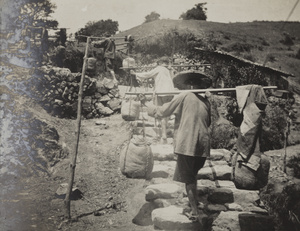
162 79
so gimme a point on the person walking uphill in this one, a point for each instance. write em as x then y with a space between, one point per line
191 140
162 83
109 47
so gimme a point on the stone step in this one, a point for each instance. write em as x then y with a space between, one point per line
217 172
163 191
163 152
160 171
220 154
172 218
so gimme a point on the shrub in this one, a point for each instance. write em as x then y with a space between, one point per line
283 205
294 163
298 54
287 40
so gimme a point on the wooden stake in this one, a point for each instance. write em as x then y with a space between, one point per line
67 201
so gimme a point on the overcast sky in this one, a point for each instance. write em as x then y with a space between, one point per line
74 14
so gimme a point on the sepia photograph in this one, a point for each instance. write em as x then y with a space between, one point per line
146 115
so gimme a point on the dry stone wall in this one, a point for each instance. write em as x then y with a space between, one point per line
59 89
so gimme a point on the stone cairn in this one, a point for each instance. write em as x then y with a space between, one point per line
59 92
225 207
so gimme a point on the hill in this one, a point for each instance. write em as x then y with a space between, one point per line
275 44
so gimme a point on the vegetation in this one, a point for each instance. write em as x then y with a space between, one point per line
284 205
152 17
196 13
98 28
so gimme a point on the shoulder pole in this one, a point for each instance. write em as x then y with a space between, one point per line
78 123
212 90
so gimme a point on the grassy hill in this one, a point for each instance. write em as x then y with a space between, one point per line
275 44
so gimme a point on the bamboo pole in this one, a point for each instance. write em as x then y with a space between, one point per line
174 65
193 90
67 201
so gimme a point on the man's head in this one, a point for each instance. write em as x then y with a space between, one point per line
163 61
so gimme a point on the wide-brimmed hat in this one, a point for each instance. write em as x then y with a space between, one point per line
196 79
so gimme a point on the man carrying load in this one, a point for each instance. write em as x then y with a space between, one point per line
162 83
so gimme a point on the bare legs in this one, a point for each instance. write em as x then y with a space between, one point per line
164 124
191 190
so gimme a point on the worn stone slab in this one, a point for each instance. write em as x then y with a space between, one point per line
245 196
225 221
213 184
216 154
163 152
216 208
171 218
234 207
223 172
160 171
164 191
160 180
220 196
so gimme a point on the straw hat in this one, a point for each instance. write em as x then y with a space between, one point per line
191 79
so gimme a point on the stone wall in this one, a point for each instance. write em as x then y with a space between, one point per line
59 87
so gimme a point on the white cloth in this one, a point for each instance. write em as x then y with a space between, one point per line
162 79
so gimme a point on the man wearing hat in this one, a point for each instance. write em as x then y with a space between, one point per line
191 138
162 83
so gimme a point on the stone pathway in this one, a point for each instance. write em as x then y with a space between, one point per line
225 208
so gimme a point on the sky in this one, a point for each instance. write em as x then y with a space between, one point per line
74 14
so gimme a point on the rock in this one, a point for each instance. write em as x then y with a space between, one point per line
143 217
160 171
216 208
245 196
160 180
87 104
171 218
108 83
100 122
114 104
217 154
164 191
103 110
220 196
101 88
104 98
234 207
256 222
62 191
227 221
163 152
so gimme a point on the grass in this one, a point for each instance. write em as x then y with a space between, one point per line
258 40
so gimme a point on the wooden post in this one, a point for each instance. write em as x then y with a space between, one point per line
67 201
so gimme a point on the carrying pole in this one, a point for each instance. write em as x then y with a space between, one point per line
67 201
212 90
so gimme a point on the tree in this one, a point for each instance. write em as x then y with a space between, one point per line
196 13
99 28
153 16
